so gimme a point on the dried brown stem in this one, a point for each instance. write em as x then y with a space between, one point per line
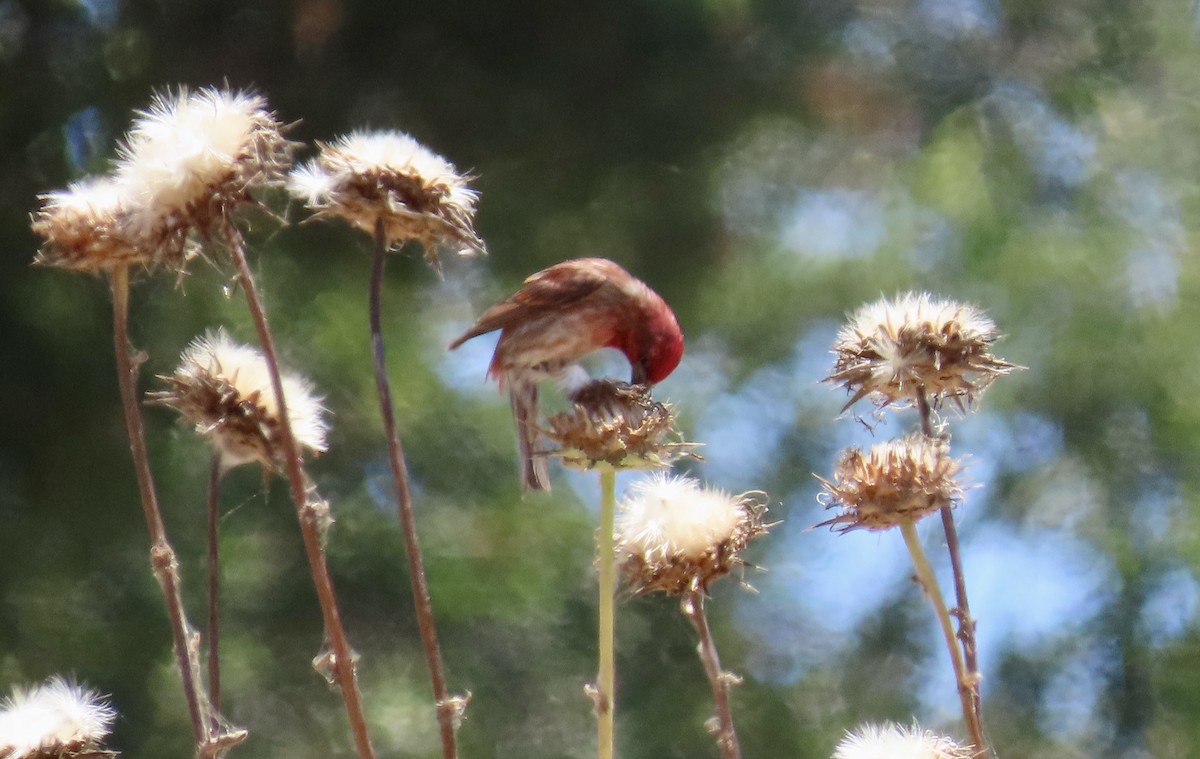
926 414
215 477
162 556
312 515
727 741
449 710
962 611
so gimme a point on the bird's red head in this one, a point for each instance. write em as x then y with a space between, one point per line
657 346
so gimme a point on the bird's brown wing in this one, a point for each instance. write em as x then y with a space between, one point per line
550 289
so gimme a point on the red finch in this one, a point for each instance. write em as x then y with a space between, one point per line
562 314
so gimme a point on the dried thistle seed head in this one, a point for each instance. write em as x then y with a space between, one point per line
913 345
367 177
674 535
55 719
85 227
900 480
891 741
224 389
617 425
192 157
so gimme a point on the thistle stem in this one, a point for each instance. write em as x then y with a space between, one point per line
162 555
606 679
449 711
215 476
926 414
312 515
966 623
727 741
929 582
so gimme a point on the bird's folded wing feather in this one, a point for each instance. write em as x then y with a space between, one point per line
550 289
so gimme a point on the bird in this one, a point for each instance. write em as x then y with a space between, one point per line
560 315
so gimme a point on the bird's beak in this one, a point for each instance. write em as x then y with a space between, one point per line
640 374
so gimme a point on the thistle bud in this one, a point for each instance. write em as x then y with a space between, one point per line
617 425
904 479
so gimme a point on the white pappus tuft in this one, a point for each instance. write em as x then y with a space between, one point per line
55 718
891 741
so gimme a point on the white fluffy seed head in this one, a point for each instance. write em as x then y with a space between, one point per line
387 177
224 388
362 153
675 535
84 227
917 344
55 718
88 199
676 516
891 741
193 155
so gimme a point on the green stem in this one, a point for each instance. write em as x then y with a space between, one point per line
929 582
606 679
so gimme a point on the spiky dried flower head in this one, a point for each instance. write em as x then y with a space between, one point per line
900 480
224 389
55 719
916 344
891 741
86 227
618 425
193 156
675 535
389 177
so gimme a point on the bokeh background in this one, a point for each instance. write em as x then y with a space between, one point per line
767 165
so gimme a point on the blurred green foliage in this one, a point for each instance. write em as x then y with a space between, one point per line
767 165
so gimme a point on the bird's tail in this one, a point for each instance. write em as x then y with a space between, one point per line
535 474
